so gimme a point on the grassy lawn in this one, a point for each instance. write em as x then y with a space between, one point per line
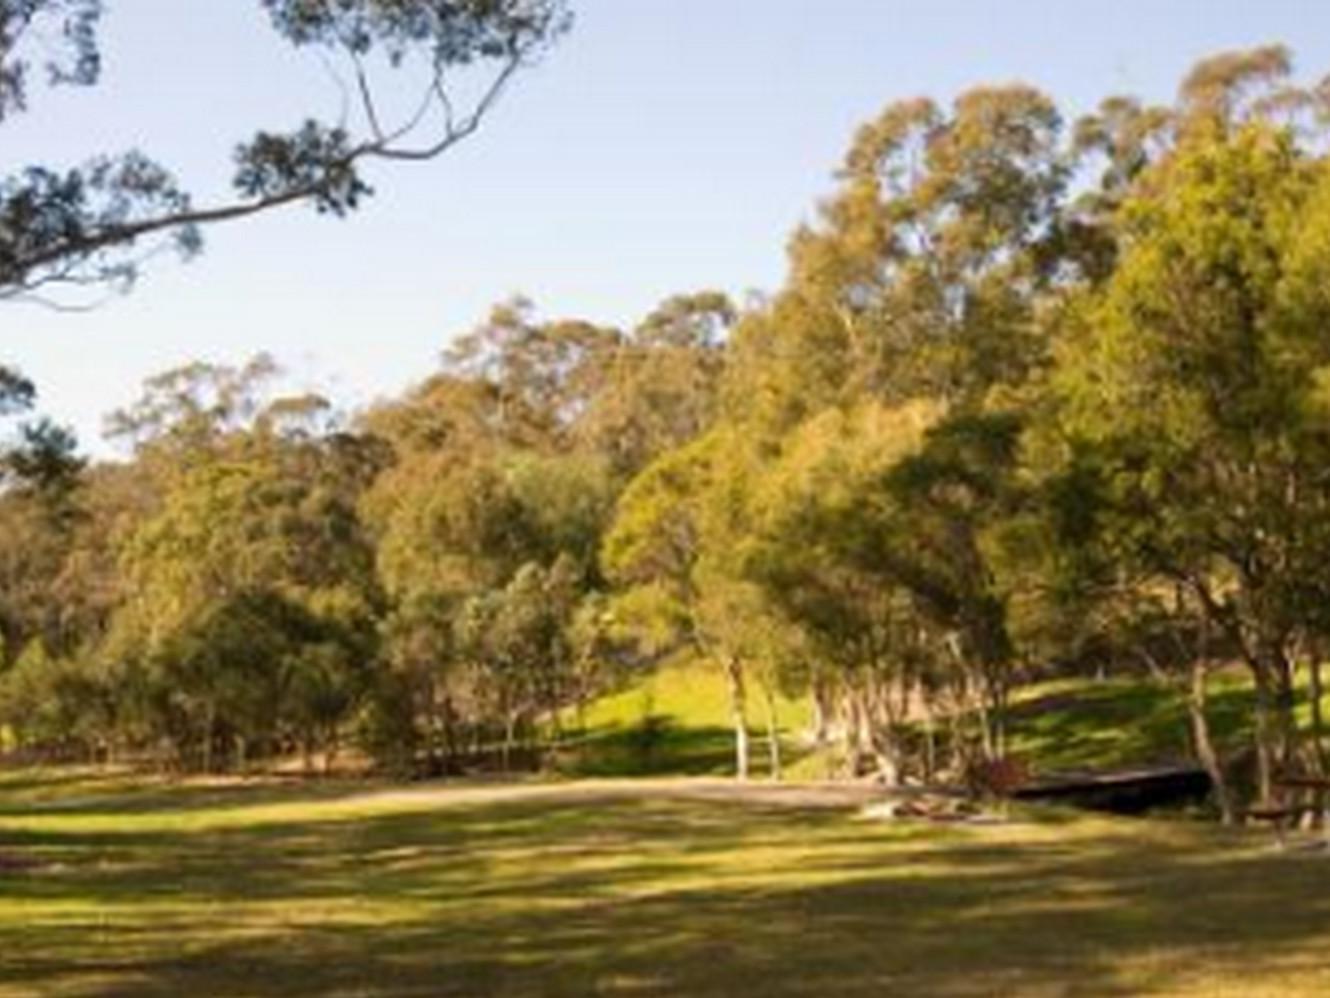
1115 723
626 889
676 720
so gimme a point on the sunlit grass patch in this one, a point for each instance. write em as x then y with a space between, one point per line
630 888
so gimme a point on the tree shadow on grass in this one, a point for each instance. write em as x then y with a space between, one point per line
1121 723
620 897
118 794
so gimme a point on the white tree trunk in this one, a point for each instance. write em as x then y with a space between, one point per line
738 714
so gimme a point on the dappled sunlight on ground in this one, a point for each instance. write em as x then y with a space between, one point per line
635 888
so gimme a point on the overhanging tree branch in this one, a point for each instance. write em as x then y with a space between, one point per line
81 227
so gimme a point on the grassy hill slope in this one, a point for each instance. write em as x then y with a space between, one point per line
676 720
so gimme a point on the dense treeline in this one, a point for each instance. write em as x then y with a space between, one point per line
1036 397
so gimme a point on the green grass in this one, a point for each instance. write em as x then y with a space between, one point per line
1124 722
625 889
1115 723
1073 724
676 720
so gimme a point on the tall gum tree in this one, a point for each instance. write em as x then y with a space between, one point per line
1196 376
922 284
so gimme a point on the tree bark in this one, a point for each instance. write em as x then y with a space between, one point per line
1205 750
883 728
738 714
1264 738
1316 692
1275 724
210 721
509 737
331 747
930 733
985 721
822 711
773 732
451 749
996 686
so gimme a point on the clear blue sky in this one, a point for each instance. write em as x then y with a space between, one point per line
665 146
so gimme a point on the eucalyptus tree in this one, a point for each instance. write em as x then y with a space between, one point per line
677 550
923 282
41 515
1191 385
95 224
247 607
503 476
819 510
519 638
662 383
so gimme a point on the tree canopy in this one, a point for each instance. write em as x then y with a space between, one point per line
1037 398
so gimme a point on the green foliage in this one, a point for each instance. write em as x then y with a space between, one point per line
1036 399
1186 393
95 224
44 698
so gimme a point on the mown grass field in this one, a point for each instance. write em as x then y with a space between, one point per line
129 887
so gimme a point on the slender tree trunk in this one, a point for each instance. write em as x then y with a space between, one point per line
773 731
210 720
1316 690
331 747
855 735
1285 718
887 755
883 729
509 736
1264 739
822 711
956 734
429 729
995 681
1275 725
980 702
554 711
738 714
1205 750
930 733
451 750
